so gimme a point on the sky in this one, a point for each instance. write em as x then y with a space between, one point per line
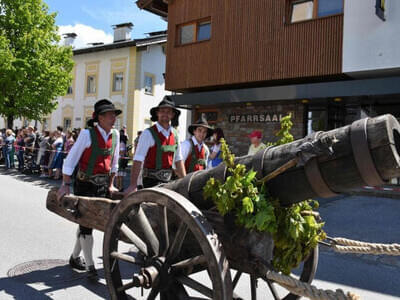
92 20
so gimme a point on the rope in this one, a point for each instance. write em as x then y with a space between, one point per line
343 245
304 289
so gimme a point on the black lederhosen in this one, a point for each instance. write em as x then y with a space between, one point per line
88 189
150 182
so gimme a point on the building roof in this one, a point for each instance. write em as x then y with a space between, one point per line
130 25
156 39
158 7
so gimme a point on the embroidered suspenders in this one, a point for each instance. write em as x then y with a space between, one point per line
163 148
97 151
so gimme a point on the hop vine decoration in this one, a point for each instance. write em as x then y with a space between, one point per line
295 234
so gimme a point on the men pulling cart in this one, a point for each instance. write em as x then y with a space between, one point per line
158 148
194 151
96 152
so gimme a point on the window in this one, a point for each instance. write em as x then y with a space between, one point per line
91 84
118 79
148 84
329 7
302 10
194 32
67 123
187 34
70 90
380 9
204 31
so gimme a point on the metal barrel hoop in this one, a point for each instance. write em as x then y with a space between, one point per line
257 162
316 180
362 154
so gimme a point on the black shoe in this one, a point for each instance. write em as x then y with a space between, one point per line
77 263
92 273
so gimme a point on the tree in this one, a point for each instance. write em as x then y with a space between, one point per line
34 68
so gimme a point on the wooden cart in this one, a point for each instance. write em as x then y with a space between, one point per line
170 233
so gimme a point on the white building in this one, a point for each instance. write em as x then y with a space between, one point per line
371 43
129 72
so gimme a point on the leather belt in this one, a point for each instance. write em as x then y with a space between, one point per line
98 179
163 175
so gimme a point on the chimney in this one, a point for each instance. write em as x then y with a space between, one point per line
122 32
69 39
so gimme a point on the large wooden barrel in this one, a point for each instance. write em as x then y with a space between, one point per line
364 153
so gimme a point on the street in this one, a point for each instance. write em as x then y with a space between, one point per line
36 244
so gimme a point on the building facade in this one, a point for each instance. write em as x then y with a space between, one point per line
129 72
246 63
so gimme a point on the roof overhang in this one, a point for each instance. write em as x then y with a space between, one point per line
345 88
158 7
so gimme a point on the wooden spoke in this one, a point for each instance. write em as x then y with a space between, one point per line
134 239
153 294
190 262
141 221
197 286
236 279
164 233
126 287
176 246
272 289
253 287
126 258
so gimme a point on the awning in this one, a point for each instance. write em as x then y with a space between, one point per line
347 88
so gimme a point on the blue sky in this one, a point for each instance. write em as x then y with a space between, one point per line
93 18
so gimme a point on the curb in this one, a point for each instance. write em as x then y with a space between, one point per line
386 191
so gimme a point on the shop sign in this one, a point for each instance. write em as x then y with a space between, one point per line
256 118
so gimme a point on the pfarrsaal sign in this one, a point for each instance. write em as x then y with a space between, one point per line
256 118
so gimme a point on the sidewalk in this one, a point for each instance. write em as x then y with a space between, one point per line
386 191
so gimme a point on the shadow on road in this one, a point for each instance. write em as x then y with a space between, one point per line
43 284
32 178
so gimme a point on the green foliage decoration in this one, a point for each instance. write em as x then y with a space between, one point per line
295 232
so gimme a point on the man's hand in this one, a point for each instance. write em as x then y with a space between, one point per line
112 189
62 191
131 189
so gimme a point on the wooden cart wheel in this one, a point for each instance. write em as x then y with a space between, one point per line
306 273
172 241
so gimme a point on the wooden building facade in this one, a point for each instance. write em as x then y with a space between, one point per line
235 60
251 42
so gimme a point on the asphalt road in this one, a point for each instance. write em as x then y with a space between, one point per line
35 245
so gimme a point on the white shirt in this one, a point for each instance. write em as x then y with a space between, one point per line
82 143
146 141
186 148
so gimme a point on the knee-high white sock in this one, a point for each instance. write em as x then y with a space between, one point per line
87 248
77 247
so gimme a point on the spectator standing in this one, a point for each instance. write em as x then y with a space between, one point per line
215 157
256 144
123 161
10 150
20 149
57 146
2 144
43 152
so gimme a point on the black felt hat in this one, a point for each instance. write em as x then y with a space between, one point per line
166 102
100 107
202 122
